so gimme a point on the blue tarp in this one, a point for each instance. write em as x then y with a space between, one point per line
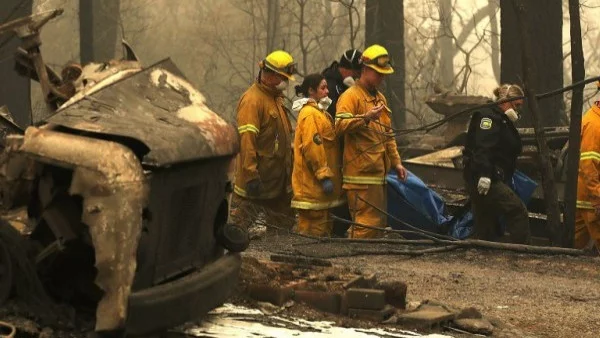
413 202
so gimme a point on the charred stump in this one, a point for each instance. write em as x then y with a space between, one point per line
578 74
547 172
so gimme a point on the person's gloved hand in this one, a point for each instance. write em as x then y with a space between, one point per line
327 186
253 187
483 186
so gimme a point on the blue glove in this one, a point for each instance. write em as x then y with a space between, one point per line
253 187
327 186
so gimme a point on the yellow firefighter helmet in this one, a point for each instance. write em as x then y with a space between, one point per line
377 57
280 62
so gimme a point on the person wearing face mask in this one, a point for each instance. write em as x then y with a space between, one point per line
264 163
490 156
370 150
340 75
316 176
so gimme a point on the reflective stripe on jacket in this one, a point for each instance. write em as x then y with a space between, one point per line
316 156
369 148
588 182
265 142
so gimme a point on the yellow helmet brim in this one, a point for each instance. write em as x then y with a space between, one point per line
381 70
278 71
289 76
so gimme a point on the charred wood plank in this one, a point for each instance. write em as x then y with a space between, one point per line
299 260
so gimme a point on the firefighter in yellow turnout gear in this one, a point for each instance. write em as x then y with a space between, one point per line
370 150
587 217
316 177
263 166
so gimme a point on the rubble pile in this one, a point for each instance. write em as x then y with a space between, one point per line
18 320
284 282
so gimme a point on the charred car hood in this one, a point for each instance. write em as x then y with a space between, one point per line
158 107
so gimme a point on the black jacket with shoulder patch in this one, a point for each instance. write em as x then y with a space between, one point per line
335 84
492 147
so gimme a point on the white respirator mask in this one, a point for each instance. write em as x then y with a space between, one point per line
324 103
349 81
282 85
513 115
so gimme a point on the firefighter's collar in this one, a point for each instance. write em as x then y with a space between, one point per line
596 108
298 104
374 94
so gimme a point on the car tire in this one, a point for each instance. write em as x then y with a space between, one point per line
233 238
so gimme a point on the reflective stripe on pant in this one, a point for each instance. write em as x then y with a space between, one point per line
314 222
499 201
277 211
366 213
587 229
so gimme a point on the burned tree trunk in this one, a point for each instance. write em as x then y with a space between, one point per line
273 28
494 40
529 76
578 74
99 23
385 26
544 21
447 48
15 91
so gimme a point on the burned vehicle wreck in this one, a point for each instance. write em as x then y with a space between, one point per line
127 188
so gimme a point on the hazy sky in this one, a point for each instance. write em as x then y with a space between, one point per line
482 82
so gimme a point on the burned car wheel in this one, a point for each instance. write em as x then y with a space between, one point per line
7 329
233 238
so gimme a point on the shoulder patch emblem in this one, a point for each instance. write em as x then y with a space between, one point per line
486 123
317 139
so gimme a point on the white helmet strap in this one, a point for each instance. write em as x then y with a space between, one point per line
352 57
508 90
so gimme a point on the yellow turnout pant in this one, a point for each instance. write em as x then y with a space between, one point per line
366 213
315 222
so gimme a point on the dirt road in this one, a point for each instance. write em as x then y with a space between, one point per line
535 296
